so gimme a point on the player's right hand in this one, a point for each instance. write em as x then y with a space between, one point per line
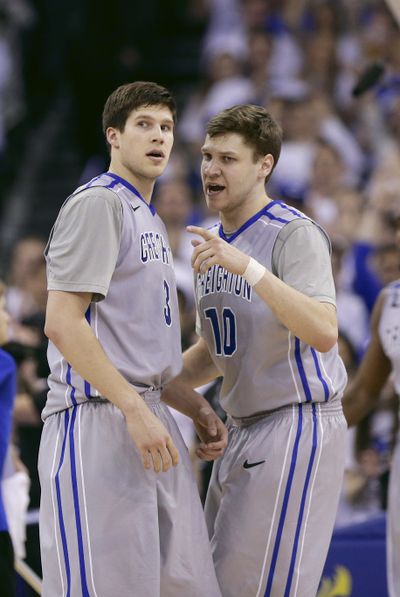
151 438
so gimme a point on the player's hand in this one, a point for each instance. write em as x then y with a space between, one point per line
152 439
212 433
213 250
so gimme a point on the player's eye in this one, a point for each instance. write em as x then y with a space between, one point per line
227 158
206 157
166 128
143 123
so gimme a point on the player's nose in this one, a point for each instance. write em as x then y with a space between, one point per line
158 134
212 169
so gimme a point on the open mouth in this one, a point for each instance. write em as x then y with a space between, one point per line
156 154
213 189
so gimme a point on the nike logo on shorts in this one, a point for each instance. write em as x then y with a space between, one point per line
248 464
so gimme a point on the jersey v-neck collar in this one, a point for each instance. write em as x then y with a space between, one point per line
247 224
130 186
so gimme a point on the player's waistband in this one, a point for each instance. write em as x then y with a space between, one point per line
150 395
324 408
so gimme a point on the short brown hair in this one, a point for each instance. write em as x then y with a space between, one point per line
132 96
2 289
257 127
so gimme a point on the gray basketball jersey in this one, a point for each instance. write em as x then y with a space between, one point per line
264 366
107 240
389 330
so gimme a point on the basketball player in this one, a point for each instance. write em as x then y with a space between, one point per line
109 524
267 323
381 358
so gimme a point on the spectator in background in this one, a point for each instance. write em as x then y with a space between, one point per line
7 395
373 251
27 344
26 255
352 314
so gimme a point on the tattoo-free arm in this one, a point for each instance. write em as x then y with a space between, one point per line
198 369
67 328
362 394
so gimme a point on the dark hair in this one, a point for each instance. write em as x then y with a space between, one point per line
257 127
132 96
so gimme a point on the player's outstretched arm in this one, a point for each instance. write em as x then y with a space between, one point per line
362 394
308 319
198 369
67 328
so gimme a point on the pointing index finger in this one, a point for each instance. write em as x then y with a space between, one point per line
206 234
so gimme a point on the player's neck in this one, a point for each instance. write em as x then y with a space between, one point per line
145 186
233 219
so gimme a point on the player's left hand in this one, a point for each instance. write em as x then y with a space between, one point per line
213 250
212 433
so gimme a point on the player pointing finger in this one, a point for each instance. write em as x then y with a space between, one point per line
215 251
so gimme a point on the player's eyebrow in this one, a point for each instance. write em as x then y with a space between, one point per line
227 152
147 116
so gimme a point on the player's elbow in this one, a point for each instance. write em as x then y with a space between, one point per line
327 339
54 327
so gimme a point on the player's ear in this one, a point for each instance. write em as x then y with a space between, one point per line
112 136
267 163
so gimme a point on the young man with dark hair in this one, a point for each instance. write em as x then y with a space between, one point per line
109 524
267 323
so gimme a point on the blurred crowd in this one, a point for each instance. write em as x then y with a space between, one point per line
340 162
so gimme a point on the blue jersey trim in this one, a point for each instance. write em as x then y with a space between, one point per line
257 216
293 211
68 380
59 507
85 592
86 383
285 503
302 504
320 376
302 372
132 189
265 211
91 182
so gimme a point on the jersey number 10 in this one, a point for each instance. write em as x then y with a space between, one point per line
225 342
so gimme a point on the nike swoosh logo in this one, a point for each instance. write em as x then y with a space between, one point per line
248 464
135 208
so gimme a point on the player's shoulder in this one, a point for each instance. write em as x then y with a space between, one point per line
93 196
297 229
281 213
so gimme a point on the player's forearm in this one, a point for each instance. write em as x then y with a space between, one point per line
75 340
309 320
198 366
180 396
198 369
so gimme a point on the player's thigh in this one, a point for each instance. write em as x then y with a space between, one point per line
186 562
280 483
99 524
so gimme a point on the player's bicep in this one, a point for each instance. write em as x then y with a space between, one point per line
302 260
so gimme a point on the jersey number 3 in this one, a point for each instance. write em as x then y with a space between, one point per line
225 342
167 308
